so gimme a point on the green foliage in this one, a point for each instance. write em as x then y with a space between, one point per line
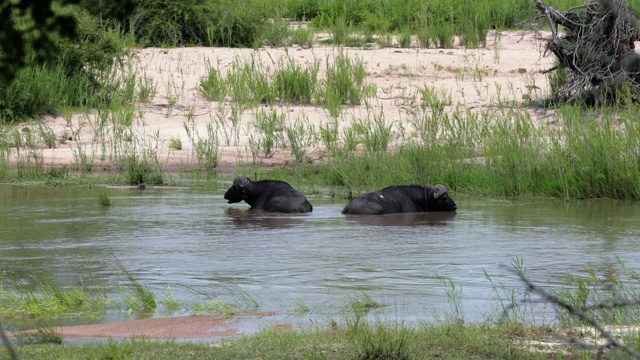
609 298
172 23
175 143
49 298
140 297
31 29
73 75
141 170
211 23
269 124
205 147
250 83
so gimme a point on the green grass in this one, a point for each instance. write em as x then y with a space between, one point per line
37 299
206 148
250 83
362 334
496 152
103 197
371 340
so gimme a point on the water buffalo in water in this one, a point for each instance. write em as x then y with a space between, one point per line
268 195
401 199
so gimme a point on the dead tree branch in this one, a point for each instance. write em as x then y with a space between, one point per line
611 341
594 44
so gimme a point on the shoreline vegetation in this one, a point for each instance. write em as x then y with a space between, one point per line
515 329
515 144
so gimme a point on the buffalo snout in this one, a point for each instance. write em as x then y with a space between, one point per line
234 195
443 203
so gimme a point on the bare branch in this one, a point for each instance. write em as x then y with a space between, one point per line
611 341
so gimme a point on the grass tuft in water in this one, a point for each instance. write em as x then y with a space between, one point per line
103 196
141 298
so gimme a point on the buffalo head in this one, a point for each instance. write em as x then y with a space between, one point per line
441 200
236 192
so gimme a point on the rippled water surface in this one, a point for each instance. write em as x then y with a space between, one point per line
194 241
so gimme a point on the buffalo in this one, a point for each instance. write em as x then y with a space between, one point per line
401 199
268 195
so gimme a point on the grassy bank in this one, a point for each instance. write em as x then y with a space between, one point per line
370 341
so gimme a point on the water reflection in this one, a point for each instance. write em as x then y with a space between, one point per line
251 219
410 219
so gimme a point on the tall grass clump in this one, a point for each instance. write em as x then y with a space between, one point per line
270 126
436 23
303 36
213 87
41 335
373 132
103 197
595 154
140 169
295 84
381 340
276 31
140 297
344 83
136 154
205 147
248 82
300 136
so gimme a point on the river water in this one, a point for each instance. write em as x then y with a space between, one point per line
310 267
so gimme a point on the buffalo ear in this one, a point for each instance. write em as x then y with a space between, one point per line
439 190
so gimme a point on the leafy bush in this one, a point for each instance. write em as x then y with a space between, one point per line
194 22
73 79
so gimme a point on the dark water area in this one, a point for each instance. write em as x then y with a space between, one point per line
193 241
